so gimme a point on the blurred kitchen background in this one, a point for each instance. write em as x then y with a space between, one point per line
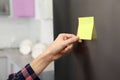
31 29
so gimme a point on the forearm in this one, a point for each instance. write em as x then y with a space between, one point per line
41 62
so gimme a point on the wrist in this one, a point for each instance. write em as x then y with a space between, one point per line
47 56
41 62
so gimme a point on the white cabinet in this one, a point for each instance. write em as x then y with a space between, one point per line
3 68
12 67
7 67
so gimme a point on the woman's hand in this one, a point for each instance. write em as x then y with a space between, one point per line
62 45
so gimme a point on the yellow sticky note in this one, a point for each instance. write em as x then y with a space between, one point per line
86 28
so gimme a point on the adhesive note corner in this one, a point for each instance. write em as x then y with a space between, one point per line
86 29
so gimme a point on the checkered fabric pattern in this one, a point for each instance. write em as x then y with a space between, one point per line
26 73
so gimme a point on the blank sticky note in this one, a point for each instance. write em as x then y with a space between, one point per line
85 28
23 8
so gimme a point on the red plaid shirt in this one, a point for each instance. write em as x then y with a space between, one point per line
26 73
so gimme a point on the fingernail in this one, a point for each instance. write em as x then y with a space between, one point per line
80 41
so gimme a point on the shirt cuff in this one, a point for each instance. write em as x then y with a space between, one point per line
28 73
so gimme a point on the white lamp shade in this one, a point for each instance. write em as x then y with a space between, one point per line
25 47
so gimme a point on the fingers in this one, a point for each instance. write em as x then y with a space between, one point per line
64 42
67 49
71 40
66 36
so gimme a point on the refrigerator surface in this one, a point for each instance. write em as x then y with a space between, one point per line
90 60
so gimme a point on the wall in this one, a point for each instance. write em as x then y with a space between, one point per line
13 31
40 29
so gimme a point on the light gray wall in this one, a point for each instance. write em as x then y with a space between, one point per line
13 31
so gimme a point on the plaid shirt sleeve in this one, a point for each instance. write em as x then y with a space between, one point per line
26 73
